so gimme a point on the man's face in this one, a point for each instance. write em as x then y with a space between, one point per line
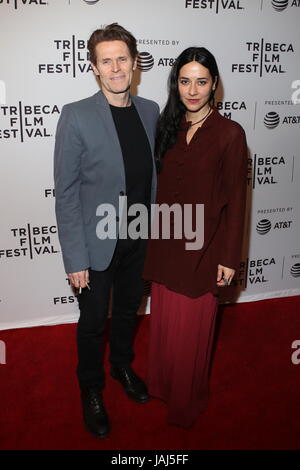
114 67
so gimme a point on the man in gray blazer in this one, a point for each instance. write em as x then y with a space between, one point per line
103 153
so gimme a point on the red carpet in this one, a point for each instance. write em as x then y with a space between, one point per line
255 389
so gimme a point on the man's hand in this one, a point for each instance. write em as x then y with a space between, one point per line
224 276
80 279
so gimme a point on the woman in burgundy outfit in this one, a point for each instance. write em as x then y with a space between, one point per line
204 161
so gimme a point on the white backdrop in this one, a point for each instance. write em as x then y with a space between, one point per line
44 65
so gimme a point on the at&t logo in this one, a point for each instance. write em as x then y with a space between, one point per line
295 270
281 5
264 226
271 120
145 61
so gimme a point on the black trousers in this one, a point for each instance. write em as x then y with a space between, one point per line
123 277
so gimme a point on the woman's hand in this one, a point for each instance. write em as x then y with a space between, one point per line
224 276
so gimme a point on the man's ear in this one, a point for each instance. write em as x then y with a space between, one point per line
134 63
95 69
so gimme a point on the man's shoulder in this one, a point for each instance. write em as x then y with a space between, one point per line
145 102
82 104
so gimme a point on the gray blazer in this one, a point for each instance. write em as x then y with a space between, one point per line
88 171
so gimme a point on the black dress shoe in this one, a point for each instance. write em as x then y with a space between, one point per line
134 387
94 414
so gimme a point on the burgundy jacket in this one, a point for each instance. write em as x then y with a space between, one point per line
211 170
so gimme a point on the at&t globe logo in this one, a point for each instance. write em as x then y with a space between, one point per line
263 226
295 270
145 61
271 120
280 5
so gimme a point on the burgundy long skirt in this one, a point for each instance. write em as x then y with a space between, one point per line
181 337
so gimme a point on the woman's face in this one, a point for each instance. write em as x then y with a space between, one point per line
194 86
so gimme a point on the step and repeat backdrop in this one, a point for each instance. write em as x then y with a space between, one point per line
44 64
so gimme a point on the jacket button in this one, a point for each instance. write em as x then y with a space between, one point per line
117 218
122 193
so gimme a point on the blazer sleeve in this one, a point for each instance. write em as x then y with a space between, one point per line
235 185
67 165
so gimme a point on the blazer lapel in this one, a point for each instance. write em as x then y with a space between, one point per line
104 112
143 115
105 115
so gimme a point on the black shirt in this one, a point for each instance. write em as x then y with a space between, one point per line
136 154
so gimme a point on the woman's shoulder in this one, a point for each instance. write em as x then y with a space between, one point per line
229 126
